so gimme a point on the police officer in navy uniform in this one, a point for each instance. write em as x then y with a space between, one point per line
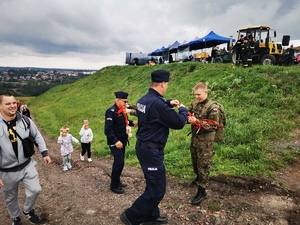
155 117
116 131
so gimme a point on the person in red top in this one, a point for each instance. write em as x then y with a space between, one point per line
18 106
117 128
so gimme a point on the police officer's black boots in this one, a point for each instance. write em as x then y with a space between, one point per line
200 196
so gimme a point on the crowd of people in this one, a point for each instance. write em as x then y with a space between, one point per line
245 47
23 108
155 117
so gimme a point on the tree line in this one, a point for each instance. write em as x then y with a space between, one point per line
32 87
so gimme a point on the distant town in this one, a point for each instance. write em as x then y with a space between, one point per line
25 74
27 81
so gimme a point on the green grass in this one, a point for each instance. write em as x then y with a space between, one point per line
261 104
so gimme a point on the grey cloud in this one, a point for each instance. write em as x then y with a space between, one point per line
108 27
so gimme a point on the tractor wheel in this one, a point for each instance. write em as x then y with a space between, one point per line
233 56
268 60
218 60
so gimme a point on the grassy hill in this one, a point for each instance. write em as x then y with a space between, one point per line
261 103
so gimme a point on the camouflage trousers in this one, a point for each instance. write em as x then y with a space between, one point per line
202 155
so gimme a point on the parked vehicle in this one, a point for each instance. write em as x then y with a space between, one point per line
297 59
137 58
223 57
287 58
266 51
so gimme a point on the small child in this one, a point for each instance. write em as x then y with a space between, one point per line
65 140
86 134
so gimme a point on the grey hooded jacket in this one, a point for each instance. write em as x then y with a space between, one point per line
8 158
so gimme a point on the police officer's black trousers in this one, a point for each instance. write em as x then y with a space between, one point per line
145 208
117 166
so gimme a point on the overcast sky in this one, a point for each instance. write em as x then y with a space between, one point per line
91 34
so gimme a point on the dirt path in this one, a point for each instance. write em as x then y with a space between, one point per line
82 196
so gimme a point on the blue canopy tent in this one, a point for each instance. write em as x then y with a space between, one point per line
174 47
154 52
183 50
208 41
157 52
169 50
185 45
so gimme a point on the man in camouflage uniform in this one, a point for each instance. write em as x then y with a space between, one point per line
203 135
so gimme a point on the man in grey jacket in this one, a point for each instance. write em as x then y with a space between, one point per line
14 166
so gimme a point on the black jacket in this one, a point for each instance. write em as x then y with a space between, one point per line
155 117
115 126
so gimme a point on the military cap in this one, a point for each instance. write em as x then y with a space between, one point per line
160 76
121 94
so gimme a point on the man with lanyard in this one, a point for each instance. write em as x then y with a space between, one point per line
14 166
155 118
117 128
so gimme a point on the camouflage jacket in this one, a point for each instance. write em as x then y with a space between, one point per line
212 113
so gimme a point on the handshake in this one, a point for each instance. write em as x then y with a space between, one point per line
176 103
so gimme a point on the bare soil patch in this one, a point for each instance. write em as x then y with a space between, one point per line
82 196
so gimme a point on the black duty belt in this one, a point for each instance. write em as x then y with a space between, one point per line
150 145
16 168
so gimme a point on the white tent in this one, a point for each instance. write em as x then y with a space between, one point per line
296 44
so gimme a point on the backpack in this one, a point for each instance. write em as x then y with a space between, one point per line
25 118
27 121
220 132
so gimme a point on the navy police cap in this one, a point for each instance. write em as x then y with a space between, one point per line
160 76
121 94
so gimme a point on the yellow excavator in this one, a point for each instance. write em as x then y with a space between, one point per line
266 51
